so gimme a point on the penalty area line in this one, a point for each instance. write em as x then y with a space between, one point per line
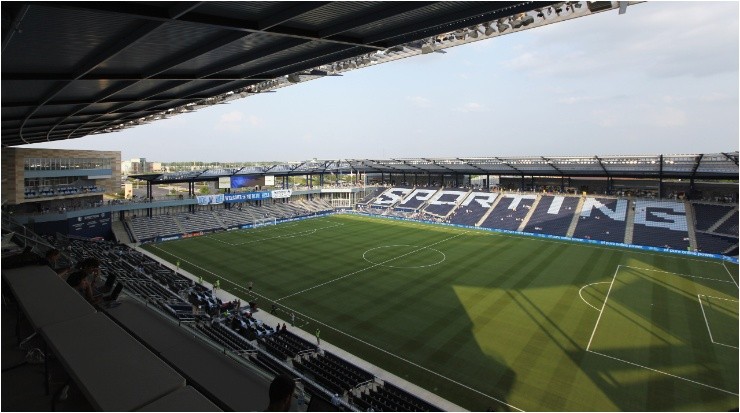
730 274
662 372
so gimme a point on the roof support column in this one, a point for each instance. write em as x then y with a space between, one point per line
660 179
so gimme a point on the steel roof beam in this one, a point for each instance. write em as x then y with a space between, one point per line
395 10
731 157
697 162
34 77
602 166
477 15
549 162
93 61
508 164
154 13
256 71
15 25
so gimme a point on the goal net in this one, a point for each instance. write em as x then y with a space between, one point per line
261 222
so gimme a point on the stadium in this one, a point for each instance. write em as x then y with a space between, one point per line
487 283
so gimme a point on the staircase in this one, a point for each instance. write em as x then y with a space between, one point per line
457 205
483 218
529 214
576 217
717 224
629 230
218 219
691 225
120 233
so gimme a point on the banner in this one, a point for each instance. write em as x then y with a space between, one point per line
89 226
210 199
281 193
246 196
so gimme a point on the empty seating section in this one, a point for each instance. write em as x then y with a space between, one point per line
371 195
389 398
715 244
234 217
553 215
510 212
197 221
286 345
661 224
473 208
391 197
151 227
443 202
336 374
146 228
730 226
417 198
709 214
602 219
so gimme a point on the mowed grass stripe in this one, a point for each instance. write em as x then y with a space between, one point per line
501 314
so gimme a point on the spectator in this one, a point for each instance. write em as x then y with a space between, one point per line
281 392
82 280
51 259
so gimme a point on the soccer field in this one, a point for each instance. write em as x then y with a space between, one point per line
493 320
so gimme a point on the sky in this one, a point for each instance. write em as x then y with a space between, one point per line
660 79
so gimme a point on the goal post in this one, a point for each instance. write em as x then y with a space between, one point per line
261 222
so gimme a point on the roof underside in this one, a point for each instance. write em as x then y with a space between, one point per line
716 166
71 69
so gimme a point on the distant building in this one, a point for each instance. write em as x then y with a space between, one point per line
49 176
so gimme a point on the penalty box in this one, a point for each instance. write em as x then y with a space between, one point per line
680 325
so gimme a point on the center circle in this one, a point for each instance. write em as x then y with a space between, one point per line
393 256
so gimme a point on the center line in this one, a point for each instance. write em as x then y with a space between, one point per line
367 268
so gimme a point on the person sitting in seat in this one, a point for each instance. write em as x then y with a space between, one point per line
82 279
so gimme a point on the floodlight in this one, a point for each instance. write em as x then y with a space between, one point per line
489 30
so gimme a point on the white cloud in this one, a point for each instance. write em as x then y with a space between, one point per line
471 107
571 100
667 117
419 102
235 120
714 97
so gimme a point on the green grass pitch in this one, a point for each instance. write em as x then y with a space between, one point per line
492 320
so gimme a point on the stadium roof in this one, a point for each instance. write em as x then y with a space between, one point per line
71 69
700 166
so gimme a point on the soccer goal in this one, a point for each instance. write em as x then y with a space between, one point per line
261 222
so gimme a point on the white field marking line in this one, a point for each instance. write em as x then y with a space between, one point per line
709 330
601 312
718 298
444 256
584 300
675 273
707 322
367 268
662 372
402 359
289 235
728 272
612 248
357 339
209 272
